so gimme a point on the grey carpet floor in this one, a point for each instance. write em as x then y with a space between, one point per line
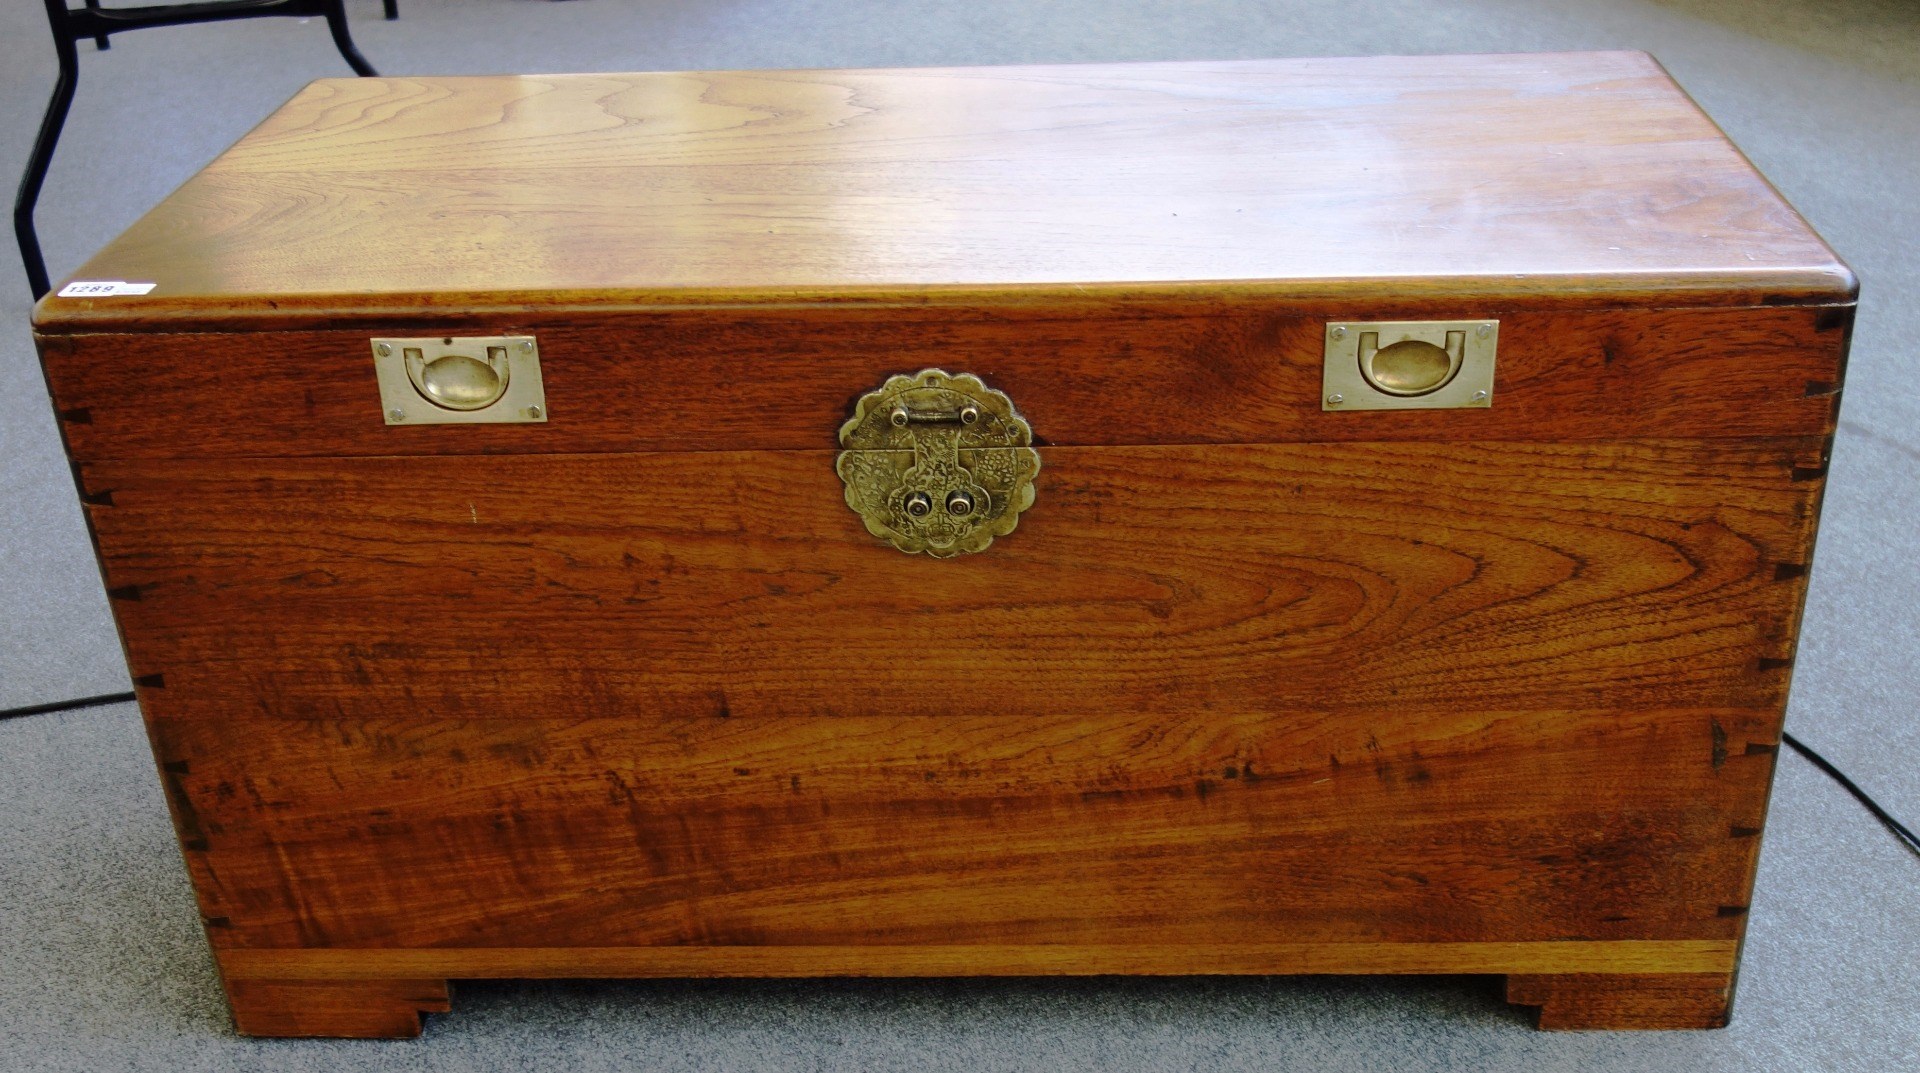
102 966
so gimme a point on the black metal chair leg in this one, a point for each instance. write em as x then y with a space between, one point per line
40 159
337 25
392 8
100 41
69 24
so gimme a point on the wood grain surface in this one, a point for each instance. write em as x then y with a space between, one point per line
1263 578
1613 1001
374 993
1567 179
1567 957
388 1008
1461 705
1214 830
719 380
1253 687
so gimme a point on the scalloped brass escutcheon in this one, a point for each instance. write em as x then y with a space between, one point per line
937 463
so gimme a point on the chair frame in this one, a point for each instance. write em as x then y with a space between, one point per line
70 25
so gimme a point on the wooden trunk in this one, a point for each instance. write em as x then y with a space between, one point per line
1258 684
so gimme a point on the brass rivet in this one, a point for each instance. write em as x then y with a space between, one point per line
526 346
898 417
969 414
959 503
534 412
384 349
1339 333
397 414
1336 399
919 504
1483 331
1479 396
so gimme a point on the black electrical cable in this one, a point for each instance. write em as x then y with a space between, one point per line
66 705
1900 830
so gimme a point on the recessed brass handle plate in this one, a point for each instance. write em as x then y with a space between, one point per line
1409 364
937 463
460 380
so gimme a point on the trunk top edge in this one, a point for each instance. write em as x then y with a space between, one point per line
1350 299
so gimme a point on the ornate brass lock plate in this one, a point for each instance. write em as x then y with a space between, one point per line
937 463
